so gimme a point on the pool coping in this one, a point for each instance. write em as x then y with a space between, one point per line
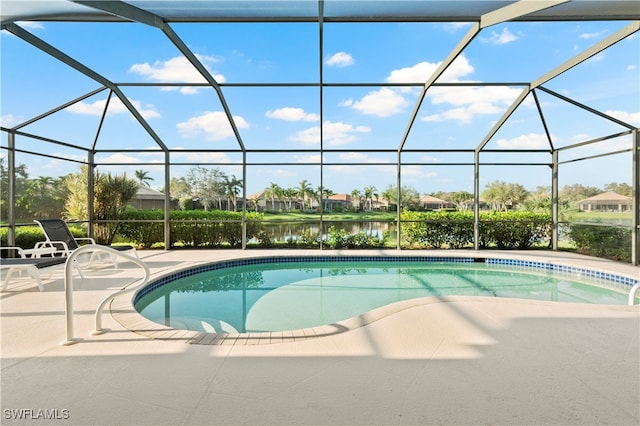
123 311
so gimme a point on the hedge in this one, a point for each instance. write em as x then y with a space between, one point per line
611 242
200 228
503 230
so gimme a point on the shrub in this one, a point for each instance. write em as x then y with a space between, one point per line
612 242
192 228
504 230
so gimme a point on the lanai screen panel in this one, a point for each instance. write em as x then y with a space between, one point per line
297 78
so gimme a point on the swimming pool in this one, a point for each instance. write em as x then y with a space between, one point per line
276 294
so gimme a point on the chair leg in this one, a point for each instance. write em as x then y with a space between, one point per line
31 270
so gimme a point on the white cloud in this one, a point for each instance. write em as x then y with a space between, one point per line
213 125
455 26
530 141
292 114
9 120
337 133
31 25
115 107
631 67
591 35
203 157
597 58
353 156
627 117
381 103
386 102
470 101
503 37
178 70
580 137
119 158
419 172
340 59
420 72
312 158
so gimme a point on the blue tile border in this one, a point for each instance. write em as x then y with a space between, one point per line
611 279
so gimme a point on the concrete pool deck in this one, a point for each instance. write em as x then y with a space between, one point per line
459 360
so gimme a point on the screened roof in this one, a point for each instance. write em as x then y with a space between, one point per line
412 10
231 83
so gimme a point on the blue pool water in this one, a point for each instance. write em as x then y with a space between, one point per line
278 296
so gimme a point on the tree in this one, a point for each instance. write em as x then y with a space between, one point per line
369 193
356 195
322 196
304 190
503 195
289 196
409 197
112 194
143 177
44 197
179 188
273 192
463 199
207 185
620 188
232 186
21 182
577 192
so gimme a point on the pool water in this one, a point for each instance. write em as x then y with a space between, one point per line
289 296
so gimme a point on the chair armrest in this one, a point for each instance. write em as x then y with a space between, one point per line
18 250
60 246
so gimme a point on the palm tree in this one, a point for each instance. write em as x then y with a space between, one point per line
289 194
322 196
272 192
356 195
143 177
369 193
304 190
232 188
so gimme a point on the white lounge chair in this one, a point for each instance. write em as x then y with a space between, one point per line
59 235
33 266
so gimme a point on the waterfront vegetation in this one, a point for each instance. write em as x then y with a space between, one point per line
511 217
420 230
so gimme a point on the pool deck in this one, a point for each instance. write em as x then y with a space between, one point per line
454 360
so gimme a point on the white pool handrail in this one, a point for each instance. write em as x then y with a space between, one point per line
632 293
68 287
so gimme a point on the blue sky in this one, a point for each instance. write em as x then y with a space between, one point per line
354 118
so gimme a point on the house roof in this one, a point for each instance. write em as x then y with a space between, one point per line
432 200
607 196
148 193
340 197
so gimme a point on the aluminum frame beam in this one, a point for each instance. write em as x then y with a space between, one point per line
577 59
67 60
135 14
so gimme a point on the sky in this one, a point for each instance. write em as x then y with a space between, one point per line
357 121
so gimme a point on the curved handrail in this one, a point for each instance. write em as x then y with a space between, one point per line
68 286
632 294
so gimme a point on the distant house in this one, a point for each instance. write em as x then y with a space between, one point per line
260 202
148 199
428 202
606 202
337 200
